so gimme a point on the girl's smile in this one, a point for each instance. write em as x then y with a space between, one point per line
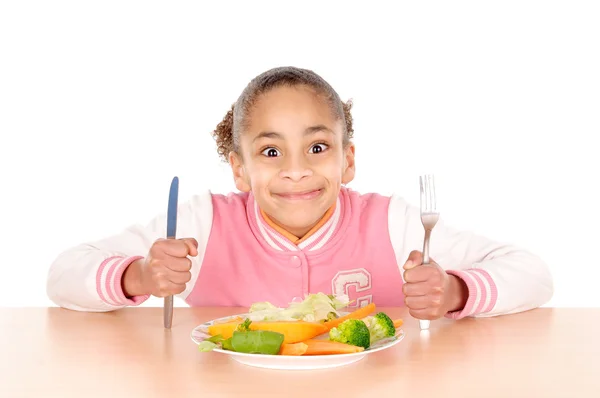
299 195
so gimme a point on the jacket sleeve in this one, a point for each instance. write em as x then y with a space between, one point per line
501 278
87 277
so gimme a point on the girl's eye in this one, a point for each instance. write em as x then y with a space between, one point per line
270 152
318 148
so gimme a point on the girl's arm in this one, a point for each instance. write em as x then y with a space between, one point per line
501 278
89 277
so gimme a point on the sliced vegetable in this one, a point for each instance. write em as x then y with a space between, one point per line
226 344
257 342
224 329
326 347
210 344
206 345
263 306
359 313
293 349
398 323
215 339
294 331
315 307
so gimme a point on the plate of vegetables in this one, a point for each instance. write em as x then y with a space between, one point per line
313 333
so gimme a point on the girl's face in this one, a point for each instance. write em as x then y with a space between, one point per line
292 157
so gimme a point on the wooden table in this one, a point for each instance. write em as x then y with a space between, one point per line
53 352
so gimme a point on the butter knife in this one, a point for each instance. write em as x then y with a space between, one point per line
171 234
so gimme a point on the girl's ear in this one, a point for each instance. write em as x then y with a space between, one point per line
239 175
349 166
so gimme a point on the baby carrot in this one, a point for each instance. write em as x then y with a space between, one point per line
360 313
293 349
327 347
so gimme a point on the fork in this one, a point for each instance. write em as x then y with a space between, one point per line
429 218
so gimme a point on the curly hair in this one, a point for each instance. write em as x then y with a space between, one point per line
228 130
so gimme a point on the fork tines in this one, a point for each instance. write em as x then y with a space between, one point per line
428 202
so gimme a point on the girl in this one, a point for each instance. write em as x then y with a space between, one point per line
294 228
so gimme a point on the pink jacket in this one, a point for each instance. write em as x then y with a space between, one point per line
359 251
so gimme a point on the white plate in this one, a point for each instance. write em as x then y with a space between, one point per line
289 362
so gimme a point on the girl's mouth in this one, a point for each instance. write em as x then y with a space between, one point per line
304 195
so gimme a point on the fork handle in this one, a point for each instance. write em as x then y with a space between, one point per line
424 323
426 246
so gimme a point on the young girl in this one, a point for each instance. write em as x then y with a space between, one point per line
294 229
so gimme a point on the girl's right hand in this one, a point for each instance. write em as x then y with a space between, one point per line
164 271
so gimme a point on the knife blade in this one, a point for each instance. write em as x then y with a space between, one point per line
171 234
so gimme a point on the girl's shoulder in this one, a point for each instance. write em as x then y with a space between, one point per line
381 207
203 207
367 201
230 199
214 200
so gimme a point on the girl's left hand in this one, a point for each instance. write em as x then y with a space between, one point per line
430 292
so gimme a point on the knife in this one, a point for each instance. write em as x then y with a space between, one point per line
171 232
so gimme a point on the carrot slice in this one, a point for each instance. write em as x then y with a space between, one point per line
224 329
327 347
359 313
293 331
398 323
293 349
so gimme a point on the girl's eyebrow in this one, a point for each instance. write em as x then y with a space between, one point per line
267 134
318 128
310 130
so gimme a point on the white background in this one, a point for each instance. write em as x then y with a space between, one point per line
102 103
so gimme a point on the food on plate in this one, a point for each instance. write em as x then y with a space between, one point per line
257 342
356 314
327 347
313 326
293 331
316 307
293 348
380 326
351 331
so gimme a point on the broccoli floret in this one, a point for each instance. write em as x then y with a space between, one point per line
380 326
353 332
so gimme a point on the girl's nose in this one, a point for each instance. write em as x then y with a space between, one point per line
295 169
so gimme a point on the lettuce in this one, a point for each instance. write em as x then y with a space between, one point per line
315 307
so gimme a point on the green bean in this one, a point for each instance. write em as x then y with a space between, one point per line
257 342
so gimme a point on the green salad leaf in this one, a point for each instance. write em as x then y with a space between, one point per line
315 307
211 343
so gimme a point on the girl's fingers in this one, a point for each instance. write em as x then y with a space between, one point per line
423 314
180 278
416 289
417 302
414 258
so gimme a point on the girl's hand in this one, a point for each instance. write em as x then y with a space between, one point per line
430 292
164 271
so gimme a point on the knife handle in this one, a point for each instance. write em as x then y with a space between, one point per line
168 312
